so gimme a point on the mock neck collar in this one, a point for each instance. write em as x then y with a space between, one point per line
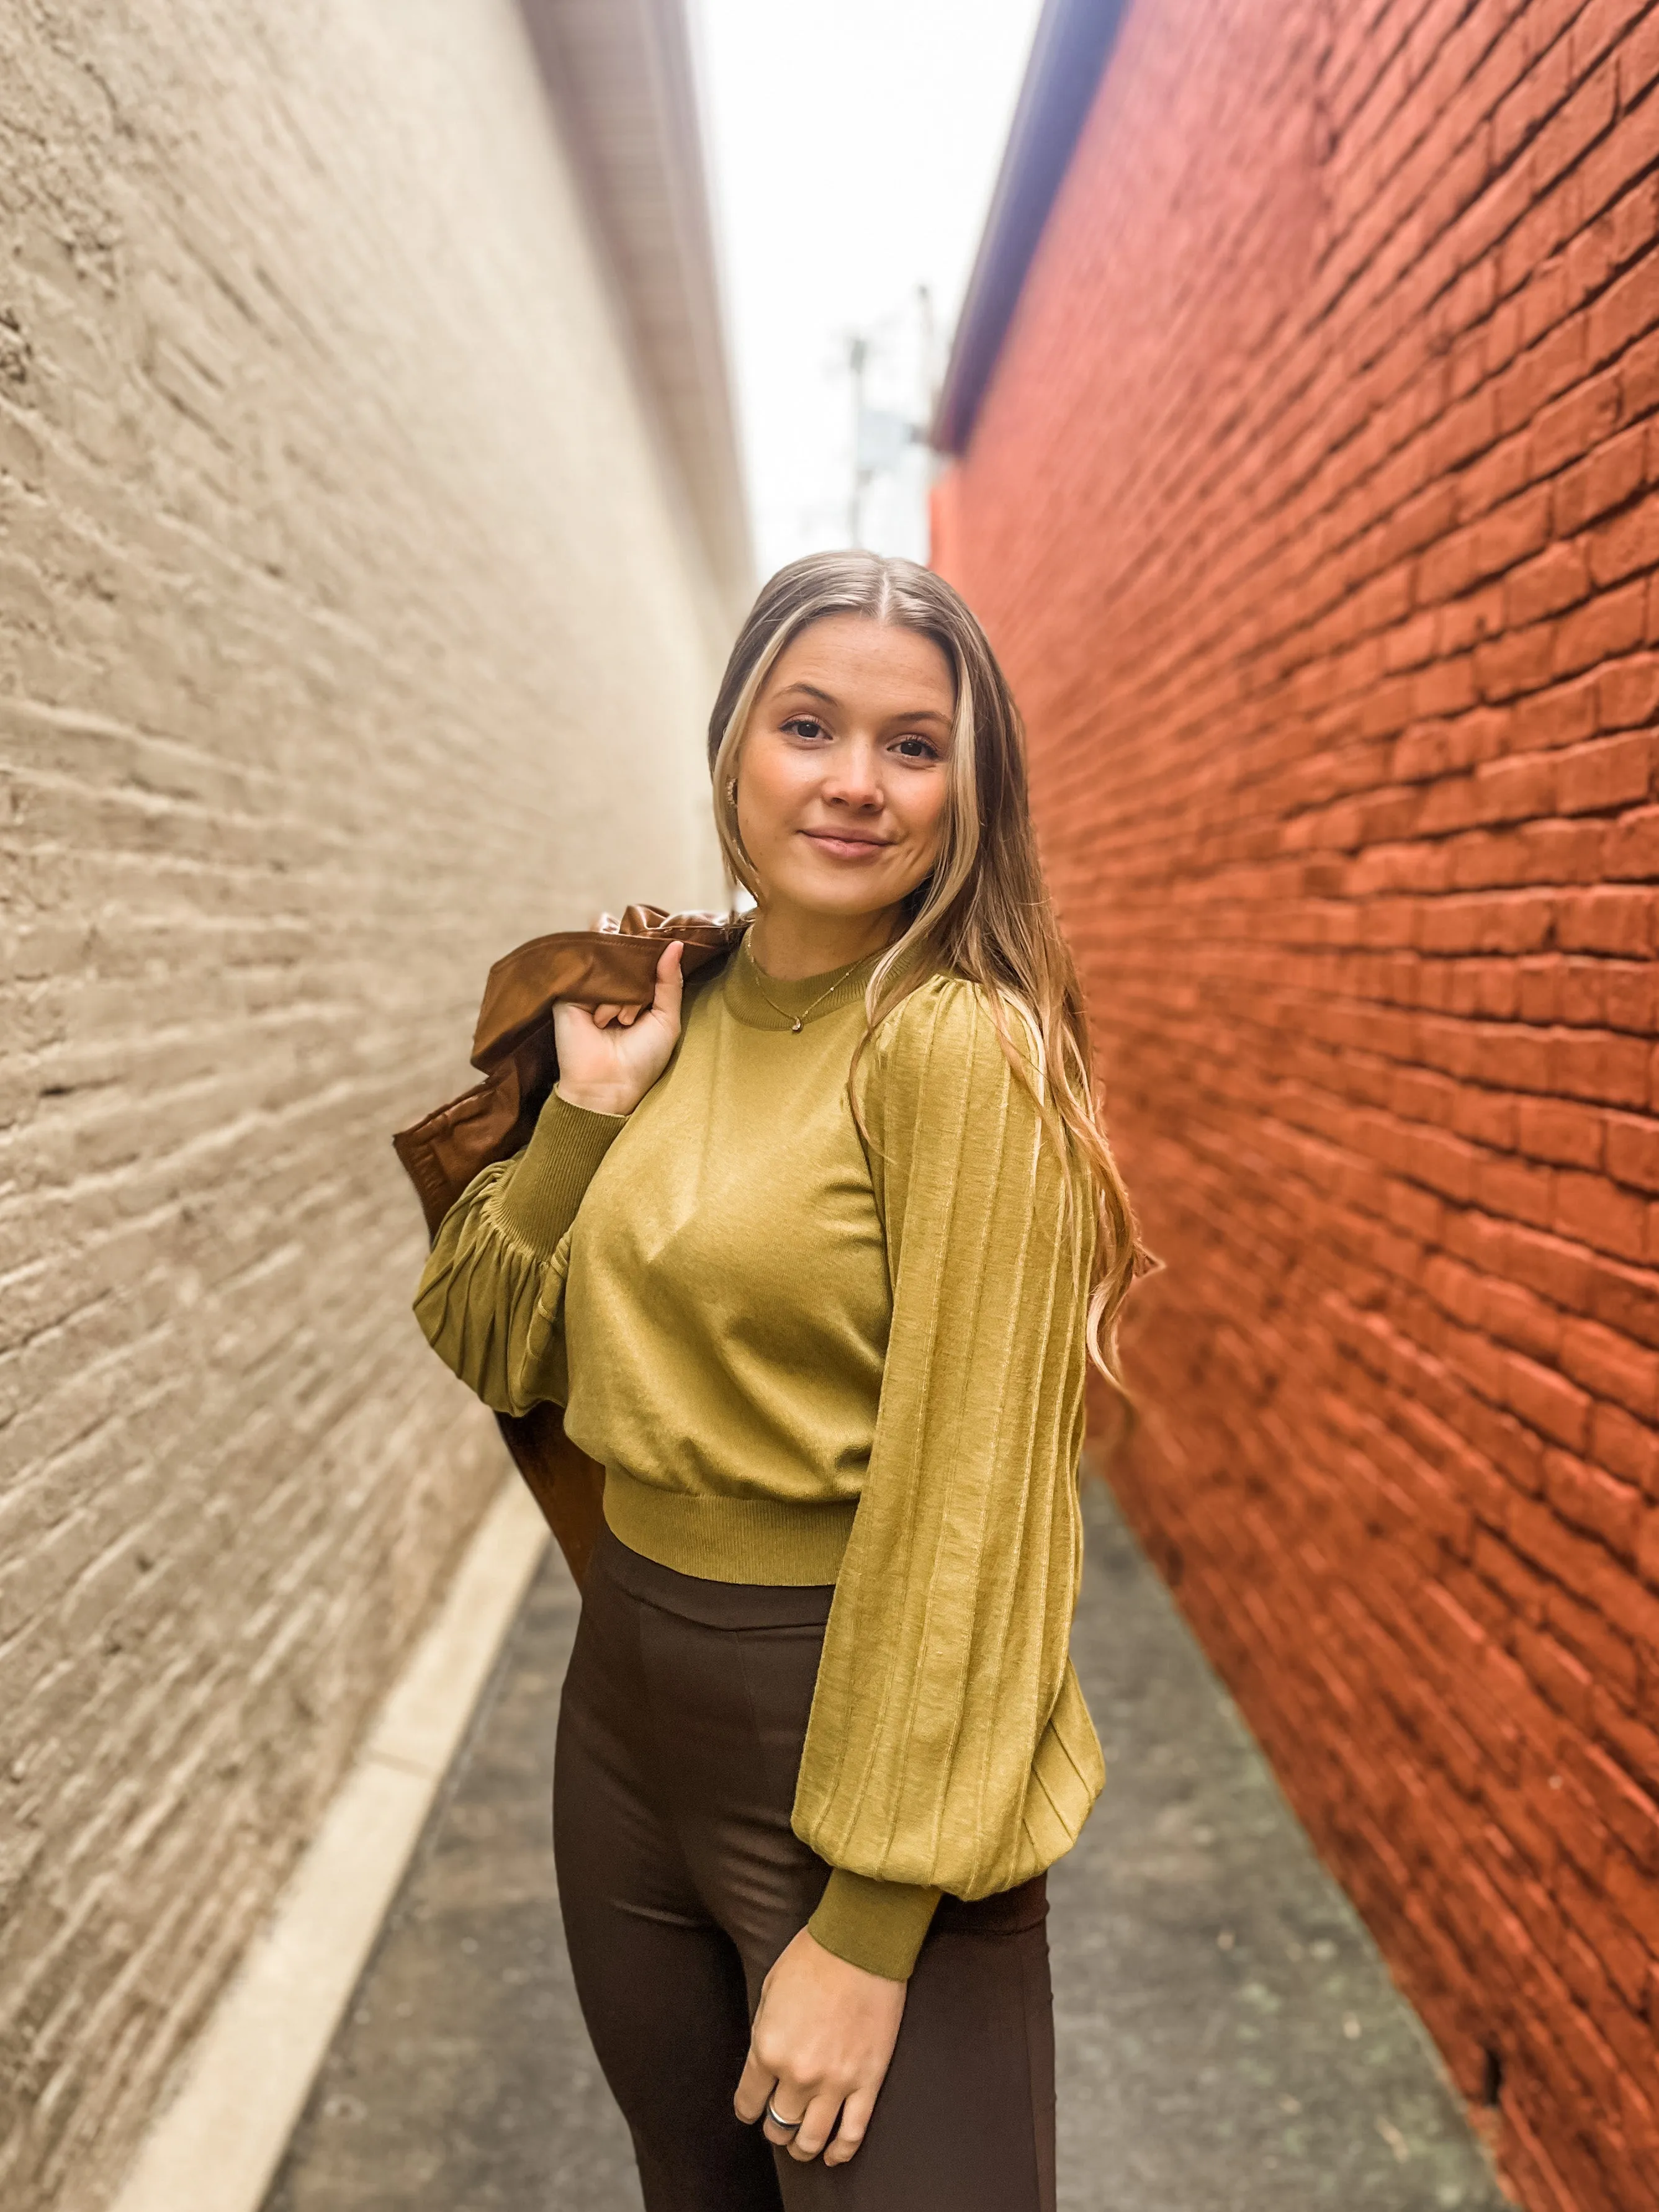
768 1002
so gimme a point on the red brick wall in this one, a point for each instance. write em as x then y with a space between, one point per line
1312 509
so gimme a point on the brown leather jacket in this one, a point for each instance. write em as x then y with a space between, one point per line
512 1046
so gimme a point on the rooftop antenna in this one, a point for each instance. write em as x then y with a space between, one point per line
858 353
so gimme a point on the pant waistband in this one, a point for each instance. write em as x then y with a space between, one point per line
711 1604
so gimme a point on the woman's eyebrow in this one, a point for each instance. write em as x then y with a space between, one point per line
828 699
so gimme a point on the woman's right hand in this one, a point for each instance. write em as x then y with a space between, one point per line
610 1056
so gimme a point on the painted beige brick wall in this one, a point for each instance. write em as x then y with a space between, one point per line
350 632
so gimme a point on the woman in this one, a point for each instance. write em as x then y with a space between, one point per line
813 1262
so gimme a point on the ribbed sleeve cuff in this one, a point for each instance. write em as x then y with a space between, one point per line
538 1202
878 1925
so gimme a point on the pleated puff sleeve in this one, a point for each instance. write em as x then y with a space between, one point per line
949 1748
491 1297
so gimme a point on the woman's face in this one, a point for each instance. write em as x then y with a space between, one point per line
843 771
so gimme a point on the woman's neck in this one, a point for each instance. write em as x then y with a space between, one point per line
791 944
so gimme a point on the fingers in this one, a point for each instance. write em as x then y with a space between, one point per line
666 999
761 2092
784 2137
817 2125
670 983
759 2096
755 2085
855 2119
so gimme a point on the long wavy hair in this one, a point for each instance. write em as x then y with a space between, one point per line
983 911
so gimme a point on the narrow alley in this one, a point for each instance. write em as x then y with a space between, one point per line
1229 2039
401 403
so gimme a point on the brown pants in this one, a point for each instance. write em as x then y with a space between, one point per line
680 1880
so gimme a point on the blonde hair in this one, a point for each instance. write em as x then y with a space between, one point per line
983 912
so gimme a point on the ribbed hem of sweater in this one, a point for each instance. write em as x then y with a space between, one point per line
538 1202
729 1539
878 1925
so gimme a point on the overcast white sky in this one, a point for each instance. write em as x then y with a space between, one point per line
854 144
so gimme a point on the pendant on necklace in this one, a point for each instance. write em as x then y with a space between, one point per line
795 1025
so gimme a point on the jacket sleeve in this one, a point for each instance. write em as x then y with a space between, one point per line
491 1299
948 1746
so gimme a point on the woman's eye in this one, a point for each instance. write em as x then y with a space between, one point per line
922 749
803 726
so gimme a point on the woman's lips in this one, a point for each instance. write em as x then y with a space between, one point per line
848 849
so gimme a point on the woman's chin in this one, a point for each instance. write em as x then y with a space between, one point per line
838 898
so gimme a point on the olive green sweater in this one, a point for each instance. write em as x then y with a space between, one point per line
800 1361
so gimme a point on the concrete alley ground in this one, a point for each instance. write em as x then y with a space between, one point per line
1229 2038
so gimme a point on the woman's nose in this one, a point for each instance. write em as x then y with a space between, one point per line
852 779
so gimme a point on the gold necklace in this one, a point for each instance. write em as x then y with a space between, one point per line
795 1020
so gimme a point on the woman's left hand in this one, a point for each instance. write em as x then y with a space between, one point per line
822 2042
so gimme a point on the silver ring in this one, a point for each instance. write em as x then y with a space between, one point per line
778 2120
